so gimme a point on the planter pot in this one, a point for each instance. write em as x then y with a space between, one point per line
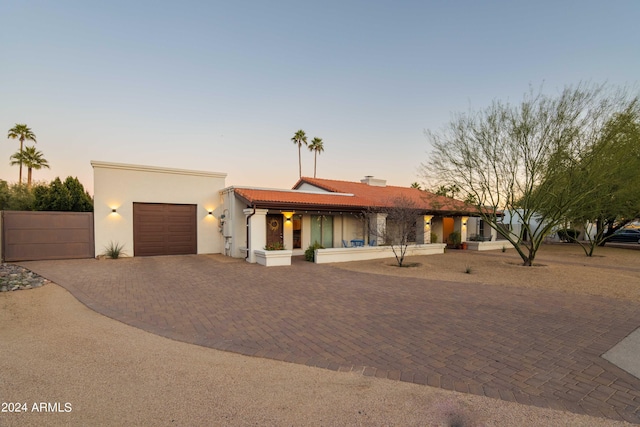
464 245
273 258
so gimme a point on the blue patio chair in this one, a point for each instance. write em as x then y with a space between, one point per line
372 242
344 244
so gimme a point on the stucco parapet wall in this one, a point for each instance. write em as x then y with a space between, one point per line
489 246
156 169
324 256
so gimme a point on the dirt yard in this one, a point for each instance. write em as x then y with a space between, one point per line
611 272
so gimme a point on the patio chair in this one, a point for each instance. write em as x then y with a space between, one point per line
344 244
372 242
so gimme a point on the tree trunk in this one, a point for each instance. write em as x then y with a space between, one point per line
29 177
21 141
299 161
315 159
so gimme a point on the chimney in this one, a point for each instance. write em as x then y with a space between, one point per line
370 180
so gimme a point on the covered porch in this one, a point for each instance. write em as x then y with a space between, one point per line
344 220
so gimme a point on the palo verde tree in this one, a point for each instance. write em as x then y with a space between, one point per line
399 227
609 170
522 159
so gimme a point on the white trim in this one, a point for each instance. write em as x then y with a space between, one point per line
280 190
156 169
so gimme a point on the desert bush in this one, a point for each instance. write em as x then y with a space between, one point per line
309 254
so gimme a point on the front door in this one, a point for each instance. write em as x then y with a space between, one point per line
274 230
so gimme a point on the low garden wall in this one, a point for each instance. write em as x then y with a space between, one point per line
488 246
273 258
323 256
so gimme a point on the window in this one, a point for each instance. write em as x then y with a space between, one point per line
297 231
322 230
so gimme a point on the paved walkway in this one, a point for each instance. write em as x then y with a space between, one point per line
536 348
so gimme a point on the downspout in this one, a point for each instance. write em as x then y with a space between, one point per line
248 233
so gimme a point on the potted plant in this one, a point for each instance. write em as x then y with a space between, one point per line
454 240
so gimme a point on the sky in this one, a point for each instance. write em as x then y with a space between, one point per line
223 86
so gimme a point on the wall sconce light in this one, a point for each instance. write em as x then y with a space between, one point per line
211 213
464 223
113 210
289 219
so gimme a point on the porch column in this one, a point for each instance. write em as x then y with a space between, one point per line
460 225
423 229
377 227
494 234
256 231
437 227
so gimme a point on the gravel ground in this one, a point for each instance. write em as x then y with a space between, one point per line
102 372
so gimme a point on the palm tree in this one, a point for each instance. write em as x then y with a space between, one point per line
416 185
300 138
32 159
317 147
23 133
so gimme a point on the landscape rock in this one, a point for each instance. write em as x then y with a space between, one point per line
13 278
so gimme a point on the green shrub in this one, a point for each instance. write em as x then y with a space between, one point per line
309 254
454 239
434 237
277 246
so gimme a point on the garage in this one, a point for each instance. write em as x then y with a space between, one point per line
164 229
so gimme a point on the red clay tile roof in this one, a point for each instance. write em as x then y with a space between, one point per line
280 198
384 196
353 196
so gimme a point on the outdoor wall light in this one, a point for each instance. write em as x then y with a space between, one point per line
113 210
211 213
464 223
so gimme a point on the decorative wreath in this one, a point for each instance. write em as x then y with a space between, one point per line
274 224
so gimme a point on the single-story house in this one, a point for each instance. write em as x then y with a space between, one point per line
335 214
164 211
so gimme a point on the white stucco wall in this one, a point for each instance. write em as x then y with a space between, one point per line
118 186
324 256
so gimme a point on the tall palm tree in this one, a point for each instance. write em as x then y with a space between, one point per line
299 138
32 159
23 133
317 148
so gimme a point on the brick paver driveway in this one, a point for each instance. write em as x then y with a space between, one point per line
534 347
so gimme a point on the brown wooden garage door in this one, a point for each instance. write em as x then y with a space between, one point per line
164 229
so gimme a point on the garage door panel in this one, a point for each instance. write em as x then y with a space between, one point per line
164 229
179 228
151 228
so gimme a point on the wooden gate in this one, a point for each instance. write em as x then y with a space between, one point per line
30 236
